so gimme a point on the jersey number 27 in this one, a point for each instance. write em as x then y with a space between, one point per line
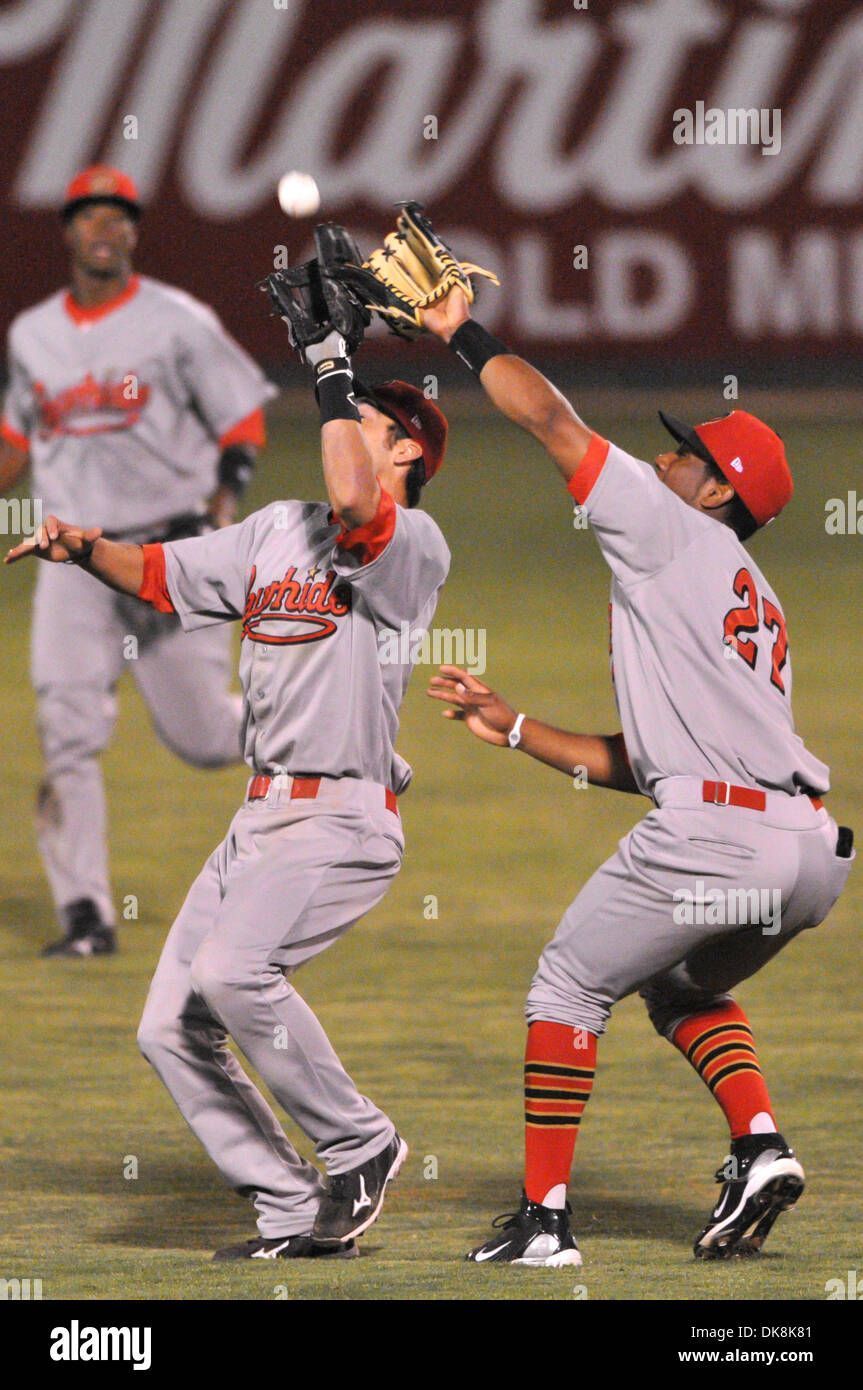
745 619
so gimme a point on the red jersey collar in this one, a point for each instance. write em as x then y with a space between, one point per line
79 314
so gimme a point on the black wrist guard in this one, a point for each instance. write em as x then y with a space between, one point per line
475 345
235 468
334 383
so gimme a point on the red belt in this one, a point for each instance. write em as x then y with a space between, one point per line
726 794
304 789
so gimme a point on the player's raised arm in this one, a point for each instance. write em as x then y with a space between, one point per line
492 720
517 389
117 564
415 283
326 322
349 472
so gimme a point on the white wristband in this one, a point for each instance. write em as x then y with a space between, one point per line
513 738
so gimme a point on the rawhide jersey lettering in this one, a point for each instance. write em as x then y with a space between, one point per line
701 662
321 697
124 408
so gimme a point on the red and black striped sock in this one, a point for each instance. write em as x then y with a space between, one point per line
719 1045
559 1066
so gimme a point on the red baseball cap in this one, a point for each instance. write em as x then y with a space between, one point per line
747 452
419 417
102 184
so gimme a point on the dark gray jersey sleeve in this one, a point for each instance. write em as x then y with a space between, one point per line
397 562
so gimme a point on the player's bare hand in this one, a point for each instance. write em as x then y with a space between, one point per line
222 507
56 540
485 713
450 314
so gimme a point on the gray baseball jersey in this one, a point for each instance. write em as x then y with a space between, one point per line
320 695
123 407
700 656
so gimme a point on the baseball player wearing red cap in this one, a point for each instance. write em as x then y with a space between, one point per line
132 404
737 856
318 839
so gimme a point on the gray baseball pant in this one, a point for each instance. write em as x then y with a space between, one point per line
288 879
628 930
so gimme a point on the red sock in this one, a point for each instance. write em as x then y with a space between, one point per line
559 1063
719 1045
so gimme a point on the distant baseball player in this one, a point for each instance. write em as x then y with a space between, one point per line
738 855
131 403
319 838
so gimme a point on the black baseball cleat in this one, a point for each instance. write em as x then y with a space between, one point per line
534 1235
353 1200
300 1247
86 933
760 1179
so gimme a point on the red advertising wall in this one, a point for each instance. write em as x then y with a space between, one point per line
531 129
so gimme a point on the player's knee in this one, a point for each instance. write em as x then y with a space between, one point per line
667 1007
219 976
560 998
156 1037
75 722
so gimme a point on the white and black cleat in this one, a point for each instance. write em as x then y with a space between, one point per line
299 1247
534 1235
760 1179
353 1200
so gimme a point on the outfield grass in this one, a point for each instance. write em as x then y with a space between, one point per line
427 1013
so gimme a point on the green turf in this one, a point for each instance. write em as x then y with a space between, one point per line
427 1013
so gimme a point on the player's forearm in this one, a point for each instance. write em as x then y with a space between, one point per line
601 757
13 466
349 474
525 396
117 564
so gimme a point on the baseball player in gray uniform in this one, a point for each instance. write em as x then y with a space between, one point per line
318 839
131 403
739 854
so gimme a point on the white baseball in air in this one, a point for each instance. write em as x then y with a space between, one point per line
298 194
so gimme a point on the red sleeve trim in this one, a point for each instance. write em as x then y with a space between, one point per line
251 430
367 542
582 481
12 436
154 585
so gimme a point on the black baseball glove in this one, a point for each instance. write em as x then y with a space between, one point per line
312 301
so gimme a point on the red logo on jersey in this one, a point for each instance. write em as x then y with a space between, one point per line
91 407
317 603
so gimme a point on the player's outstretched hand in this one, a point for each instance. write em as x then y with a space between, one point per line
56 540
444 318
486 714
